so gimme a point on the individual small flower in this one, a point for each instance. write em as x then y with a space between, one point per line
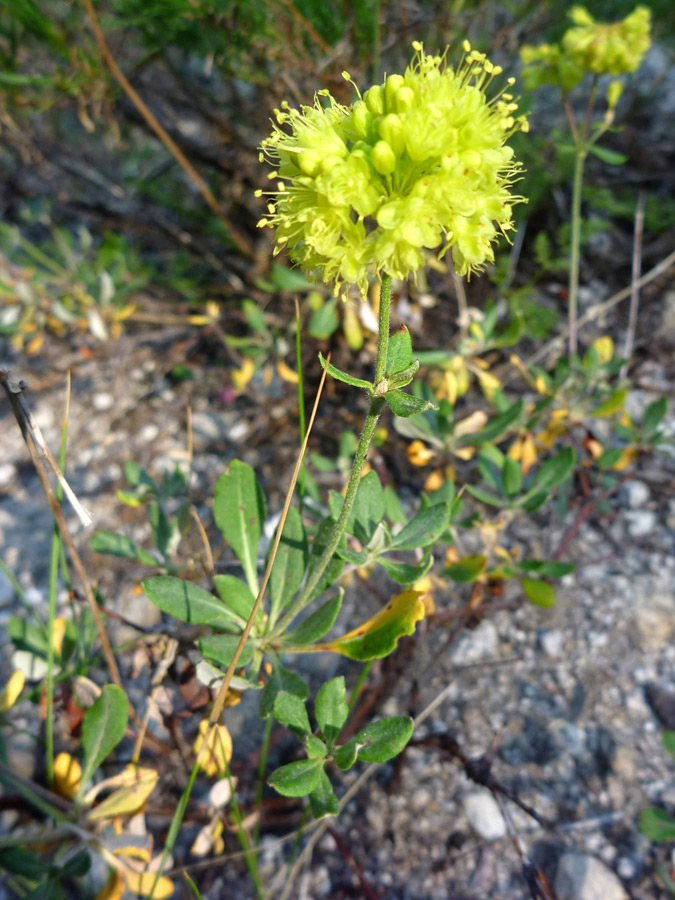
215 751
418 163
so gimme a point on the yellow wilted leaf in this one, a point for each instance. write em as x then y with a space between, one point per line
540 384
12 690
35 344
465 453
141 883
604 347
611 405
58 634
242 376
489 383
419 454
379 635
471 424
67 775
626 458
124 312
113 888
529 453
425 586
286 372
434 481
129 799
215 751
515 451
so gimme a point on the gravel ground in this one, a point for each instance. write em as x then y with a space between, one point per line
567 704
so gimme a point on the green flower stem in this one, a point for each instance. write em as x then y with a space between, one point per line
579 162
377 404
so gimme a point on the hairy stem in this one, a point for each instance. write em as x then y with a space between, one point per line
579 161
377 404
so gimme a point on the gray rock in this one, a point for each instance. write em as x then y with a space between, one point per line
551 642
581 877
653 617
635 493
641 522
480 644
484 816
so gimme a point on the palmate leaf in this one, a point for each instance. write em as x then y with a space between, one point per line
378 636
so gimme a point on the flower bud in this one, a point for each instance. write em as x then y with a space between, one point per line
374 99
391 130
362 120
404 100
383 158
391 88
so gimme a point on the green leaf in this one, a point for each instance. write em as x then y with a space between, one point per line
188 602
335 566
555 471
384 740
281 680
405 405
427 526
654 415
330 709
392 507
289 563
404 573
668 738
613 404
657 825
611 157
498 426
317 624
467 569
609 457
103 728
239 511
324 321
297 779
378 636
290 710
339 375
19 861
315 747
398 379
77 865
220 649
484 496
344 757
512 476
533 500
322 799
368 506
235 595
399 351
547 568
110 544
538 592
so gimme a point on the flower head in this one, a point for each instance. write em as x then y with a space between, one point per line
418 163
589 46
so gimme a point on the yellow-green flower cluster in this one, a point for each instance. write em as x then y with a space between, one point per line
589 46
418 163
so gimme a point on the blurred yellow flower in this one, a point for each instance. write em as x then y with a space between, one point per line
12 690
